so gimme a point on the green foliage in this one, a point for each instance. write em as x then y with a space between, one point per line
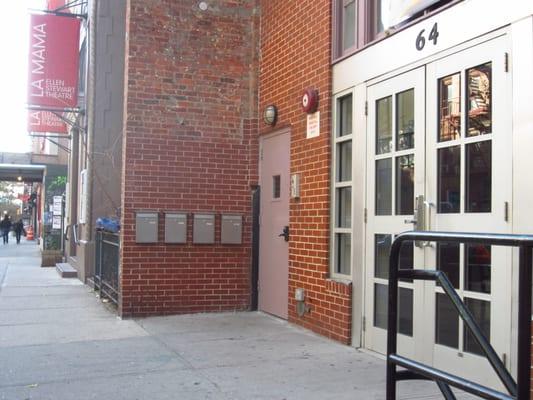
52 241
7 199
54 187
58 183
7 194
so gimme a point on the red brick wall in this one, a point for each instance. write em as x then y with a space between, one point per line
190 144
295 54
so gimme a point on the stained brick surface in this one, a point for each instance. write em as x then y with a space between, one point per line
295 55
190 144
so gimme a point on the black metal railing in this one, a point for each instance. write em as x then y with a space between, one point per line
74 228
517 390
106 274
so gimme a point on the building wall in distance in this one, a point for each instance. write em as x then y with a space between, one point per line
108 115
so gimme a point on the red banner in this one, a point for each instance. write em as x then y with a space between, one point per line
55 4
45 121
53 63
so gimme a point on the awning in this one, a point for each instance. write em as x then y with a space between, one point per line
27 172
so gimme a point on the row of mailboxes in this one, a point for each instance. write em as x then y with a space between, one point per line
147 228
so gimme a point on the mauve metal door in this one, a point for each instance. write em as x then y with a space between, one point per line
274 249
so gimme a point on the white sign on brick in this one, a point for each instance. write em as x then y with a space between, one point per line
313 125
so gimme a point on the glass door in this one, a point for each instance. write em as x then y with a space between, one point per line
439 158
395 182
469 189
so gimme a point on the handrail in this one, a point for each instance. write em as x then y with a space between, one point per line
75 230
517 390
106 276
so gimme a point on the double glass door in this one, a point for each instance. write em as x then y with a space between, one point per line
439 158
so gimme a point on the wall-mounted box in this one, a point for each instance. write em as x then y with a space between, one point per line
146 226
175 227
203 229
295 186
231 229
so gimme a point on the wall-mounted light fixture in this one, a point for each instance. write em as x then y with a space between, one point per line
270 114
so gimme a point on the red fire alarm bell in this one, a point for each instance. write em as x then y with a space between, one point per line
310 100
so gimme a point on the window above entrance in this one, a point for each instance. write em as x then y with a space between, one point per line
357 23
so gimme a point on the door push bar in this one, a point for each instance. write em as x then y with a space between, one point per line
421 218
518 390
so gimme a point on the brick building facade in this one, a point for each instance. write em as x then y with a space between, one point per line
198 76
190 144
296 55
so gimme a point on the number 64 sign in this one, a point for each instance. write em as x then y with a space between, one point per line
421 40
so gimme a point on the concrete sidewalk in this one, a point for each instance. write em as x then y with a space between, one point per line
58 341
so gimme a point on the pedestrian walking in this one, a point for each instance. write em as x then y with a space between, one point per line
5 227
18 227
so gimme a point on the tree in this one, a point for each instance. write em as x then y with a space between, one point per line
8 198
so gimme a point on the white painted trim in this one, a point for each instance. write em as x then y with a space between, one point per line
334 185
359 203
521 211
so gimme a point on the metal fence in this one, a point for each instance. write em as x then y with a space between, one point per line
106 274
517 390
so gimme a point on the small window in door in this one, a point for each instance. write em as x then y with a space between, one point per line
446 322
449 179
405 120
276 186
480 309
450 107
479 101
478 176
384 125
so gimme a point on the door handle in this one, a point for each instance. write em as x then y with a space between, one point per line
285 233
419 220
427 211
428 206
418 214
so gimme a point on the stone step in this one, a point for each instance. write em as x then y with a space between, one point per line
65 270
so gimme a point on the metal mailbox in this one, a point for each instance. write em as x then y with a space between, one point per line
231 229
146 226
175 227
203 229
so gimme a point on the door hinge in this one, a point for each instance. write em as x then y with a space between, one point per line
366 108
365 215
506 61
364 324
504 359
506 211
